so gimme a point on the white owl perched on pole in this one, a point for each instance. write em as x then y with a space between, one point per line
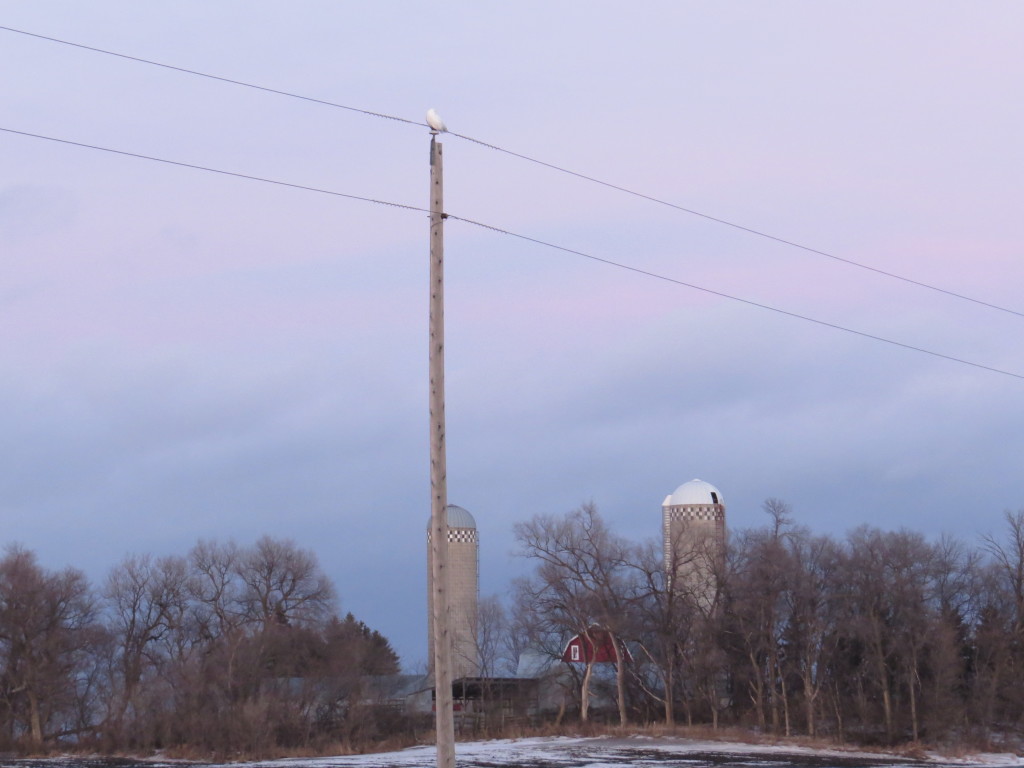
435 122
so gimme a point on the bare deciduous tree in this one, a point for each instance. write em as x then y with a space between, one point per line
147 601
579 583
47 622
283 585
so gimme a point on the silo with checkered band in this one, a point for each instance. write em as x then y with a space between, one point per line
693 528
463 591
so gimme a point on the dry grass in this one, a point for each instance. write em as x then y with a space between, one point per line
960 748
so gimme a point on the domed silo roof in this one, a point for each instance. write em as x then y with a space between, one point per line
695 492
457 518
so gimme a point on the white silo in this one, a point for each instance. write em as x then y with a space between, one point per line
693 526
463 590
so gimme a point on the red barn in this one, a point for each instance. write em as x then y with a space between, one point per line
596 647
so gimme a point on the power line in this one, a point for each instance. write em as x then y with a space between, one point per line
731 297
529 239
543 163
207 75
213 170
740 227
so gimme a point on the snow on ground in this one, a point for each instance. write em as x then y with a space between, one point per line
607 752
566 752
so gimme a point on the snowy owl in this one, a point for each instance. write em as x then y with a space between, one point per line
435 122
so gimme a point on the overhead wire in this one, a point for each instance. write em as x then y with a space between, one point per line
732 297
525 238
740 227
209 76
196 167
543 163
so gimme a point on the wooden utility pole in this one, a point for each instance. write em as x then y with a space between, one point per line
444 718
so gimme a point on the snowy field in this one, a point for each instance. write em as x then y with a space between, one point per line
563 752
636 751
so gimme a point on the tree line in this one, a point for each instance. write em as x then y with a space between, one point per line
877 637
226 650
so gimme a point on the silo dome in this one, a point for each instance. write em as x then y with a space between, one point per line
695 492
457 518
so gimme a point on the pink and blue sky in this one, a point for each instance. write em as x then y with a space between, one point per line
185 355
